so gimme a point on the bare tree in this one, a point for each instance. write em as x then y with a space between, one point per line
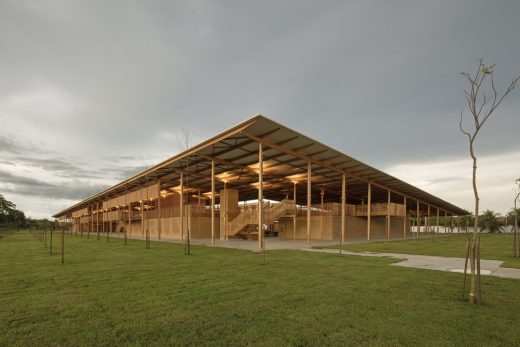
481 107
184 140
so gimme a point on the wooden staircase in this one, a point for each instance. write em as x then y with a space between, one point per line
245 225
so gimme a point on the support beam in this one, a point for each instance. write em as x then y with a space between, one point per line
212 202
260 198
309 178
369 211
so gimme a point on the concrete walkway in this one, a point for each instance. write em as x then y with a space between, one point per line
487 267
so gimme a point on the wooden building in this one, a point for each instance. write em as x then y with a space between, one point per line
260 175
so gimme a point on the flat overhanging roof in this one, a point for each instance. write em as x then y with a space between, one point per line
286 155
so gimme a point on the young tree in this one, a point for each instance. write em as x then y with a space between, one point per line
482 99
184 142
516 219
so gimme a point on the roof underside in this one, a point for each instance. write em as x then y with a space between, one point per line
286 155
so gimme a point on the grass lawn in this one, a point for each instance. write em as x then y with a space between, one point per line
493 246
109 294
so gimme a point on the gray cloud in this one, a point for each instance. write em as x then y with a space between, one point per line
105 85
75 190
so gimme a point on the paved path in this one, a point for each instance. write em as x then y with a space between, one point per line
487 267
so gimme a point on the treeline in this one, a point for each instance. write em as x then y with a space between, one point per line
489 220
11 217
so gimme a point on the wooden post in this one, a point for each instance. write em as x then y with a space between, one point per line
418 221
437 222
91 221
388 216
405 218
129 220
159 211
50 241
309 178
343 201
109 231
428 222
97 222
103 219
322 193
142 217
212 202
295 211
445 222
181 206
369 212
260 197
62 246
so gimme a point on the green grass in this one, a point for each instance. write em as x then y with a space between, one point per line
109 294
493 246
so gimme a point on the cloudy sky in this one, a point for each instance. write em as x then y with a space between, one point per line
94 91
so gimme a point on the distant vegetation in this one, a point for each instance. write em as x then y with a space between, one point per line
10 217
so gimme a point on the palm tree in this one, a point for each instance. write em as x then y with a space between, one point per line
489 220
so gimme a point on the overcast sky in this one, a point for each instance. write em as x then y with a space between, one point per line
94 91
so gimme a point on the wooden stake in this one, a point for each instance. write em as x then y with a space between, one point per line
295 211
62 246
388 217
430 229
405 220
418 222
468 248
142 219
343 201
479 290
159 210
50 241
181 204
322 193
309 178
369 211
97 222
213 202
438 221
